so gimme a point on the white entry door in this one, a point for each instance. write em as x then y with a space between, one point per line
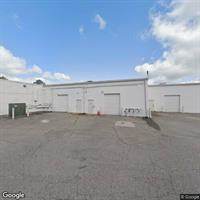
112 104
78 105
60 103
172 103
91 106
152 105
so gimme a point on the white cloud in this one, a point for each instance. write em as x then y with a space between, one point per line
99 20
144 35
178 30
55 76
12 65
81 30
36 69
14 68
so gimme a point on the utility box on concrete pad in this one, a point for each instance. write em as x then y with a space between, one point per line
19 109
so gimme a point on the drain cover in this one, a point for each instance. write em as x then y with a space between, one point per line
124 124
45 121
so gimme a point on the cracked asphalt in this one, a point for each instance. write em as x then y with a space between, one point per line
60 156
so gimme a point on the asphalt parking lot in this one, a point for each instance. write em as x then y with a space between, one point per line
60 156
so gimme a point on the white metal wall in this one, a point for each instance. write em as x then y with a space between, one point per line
189 97
73 94
90 97
132 95
86 98
16 92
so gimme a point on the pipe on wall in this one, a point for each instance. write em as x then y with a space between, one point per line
145 98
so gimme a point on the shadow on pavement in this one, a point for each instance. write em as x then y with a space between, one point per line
152 123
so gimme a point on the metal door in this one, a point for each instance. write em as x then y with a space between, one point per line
172 103
112 104
61 103
91 106
78 105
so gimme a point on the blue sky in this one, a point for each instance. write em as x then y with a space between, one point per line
64 37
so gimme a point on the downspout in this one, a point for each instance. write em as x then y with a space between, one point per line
145 98
84 91
83 100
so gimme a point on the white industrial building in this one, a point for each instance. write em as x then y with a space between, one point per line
130 97
18 92
175 98
114 97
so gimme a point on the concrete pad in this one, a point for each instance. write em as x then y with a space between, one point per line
125 124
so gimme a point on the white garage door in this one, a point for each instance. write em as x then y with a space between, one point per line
112 104
61 102
172 103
